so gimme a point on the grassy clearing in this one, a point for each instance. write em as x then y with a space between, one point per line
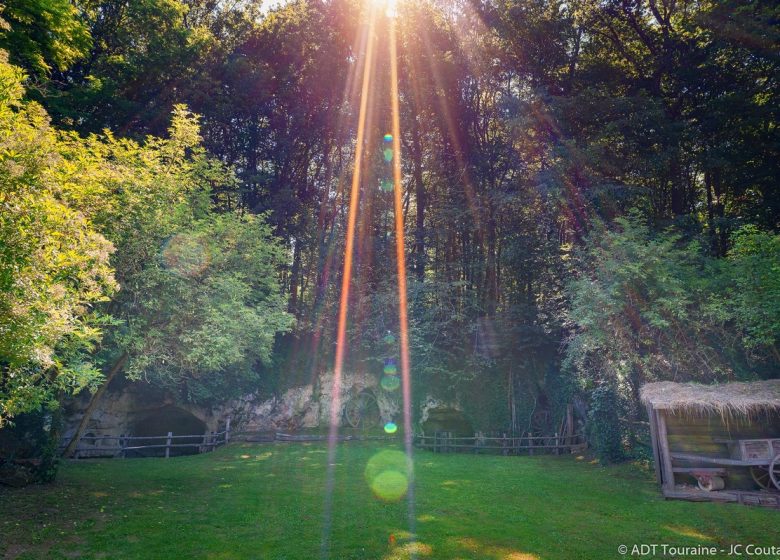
266 502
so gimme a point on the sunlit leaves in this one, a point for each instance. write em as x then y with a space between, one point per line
43 35
54 265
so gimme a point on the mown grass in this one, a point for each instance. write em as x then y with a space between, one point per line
267 502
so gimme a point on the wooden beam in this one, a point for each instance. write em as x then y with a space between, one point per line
664 453
723 461
654 442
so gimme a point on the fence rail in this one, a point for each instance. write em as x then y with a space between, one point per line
446 442
320 437
440 442
102 446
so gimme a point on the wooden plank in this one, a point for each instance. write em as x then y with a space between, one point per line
707 470
724 461
663 452
763 499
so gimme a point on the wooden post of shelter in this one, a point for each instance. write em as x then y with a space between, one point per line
663 450
654 442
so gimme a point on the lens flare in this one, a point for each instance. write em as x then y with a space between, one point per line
391 428
185 255
390 383
388 138
388 154
403 304
386 475
390 7
341 334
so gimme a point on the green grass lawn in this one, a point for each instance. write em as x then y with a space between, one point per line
267 502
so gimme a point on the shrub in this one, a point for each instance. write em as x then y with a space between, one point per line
606 435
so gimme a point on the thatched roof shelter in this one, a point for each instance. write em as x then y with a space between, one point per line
727 399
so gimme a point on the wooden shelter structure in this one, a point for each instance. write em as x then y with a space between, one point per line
716 442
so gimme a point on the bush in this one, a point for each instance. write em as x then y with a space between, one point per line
28 448
606 435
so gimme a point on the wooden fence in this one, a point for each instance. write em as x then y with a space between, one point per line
440 442
125 445
446 442
292 438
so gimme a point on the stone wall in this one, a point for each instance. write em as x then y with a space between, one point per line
307 406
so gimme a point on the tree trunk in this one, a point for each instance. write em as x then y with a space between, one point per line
710 214
420 196
113 372
292 306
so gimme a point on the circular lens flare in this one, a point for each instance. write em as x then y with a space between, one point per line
391 428
390 383
386 475
185 255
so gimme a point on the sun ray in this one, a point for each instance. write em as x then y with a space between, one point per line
341 336
403 318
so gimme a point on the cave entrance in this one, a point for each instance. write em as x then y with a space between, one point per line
168 419
445 419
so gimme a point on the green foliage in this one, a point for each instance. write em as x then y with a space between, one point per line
199 304
605 433
214 312
650 306
518 136
54 265
644 307
29 447
143 54
754 270
43 35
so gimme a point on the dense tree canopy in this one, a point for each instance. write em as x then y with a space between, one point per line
117 251
589 192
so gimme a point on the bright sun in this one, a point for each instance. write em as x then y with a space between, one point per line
390 6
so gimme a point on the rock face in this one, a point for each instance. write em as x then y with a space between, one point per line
124 408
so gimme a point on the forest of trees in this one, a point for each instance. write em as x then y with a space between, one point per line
590 190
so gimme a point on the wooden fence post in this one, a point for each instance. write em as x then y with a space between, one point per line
227 431
168 445
557 443
530 443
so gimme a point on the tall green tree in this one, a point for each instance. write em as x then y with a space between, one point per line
54 264
43 36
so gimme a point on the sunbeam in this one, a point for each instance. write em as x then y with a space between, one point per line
335 410
403 318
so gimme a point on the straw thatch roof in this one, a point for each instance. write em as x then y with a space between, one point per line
727 399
